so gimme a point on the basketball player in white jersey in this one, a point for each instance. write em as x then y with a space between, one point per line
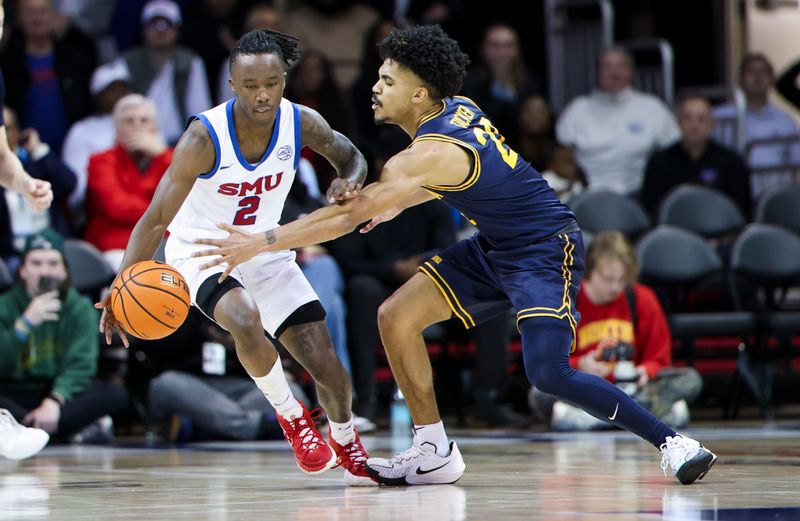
235 163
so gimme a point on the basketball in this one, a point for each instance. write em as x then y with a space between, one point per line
150 299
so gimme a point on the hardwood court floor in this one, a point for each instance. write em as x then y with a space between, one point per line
603 476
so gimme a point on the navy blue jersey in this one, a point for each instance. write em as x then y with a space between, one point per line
503 195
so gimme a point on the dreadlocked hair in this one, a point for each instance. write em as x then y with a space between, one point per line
264 41
430 54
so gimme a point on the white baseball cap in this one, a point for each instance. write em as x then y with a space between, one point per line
165 9
107 74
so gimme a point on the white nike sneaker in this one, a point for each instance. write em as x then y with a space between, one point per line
419 465
17 441
689 460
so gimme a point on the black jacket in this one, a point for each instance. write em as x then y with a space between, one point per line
75 61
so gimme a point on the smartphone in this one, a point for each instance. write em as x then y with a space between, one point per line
48 284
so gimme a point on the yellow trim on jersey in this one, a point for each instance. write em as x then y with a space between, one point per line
468 99
448 293
471 179
431 116
565 311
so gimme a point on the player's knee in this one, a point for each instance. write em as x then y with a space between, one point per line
546 344
388 318
241 321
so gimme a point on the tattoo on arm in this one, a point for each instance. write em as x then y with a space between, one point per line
271 237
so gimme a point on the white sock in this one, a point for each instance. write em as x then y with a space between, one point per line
433 433
276 389
343 433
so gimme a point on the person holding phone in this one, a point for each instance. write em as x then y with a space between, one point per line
49 352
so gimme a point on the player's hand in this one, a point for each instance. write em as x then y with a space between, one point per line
43 308
108 322
388 215
342 189
45 416
238 248
38 193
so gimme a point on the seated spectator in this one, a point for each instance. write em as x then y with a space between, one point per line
172 76
764 121
122 180
200 382
95 133
623 336
615 128
562 172
50 347
697 159
499 81
537 133
17 219
46 72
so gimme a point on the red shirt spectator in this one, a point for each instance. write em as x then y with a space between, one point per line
601 322
122 180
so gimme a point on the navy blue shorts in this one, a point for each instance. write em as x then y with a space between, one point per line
540 279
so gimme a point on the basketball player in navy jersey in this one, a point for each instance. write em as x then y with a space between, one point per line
235 163
528 252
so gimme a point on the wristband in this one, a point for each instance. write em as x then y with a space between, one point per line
27 322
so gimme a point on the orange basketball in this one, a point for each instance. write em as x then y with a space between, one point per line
150 299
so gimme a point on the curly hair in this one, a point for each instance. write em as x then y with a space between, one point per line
430 54
264 41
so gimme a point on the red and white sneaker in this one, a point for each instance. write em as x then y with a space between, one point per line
313 455
352 458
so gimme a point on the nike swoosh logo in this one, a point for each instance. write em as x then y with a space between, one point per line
226 166
421 472
615 412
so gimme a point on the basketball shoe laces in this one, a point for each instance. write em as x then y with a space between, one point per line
415 451
354 456
303 433
676 450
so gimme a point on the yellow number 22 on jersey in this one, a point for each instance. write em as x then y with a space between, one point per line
508 155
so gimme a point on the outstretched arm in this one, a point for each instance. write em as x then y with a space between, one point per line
399 179
350 165
417 197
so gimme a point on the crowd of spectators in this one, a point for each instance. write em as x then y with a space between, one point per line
99 91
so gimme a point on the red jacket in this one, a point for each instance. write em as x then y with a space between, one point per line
652 340
118 194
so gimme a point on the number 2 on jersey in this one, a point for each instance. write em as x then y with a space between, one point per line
508 155
248 206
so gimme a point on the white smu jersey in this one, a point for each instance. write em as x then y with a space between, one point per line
245 195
